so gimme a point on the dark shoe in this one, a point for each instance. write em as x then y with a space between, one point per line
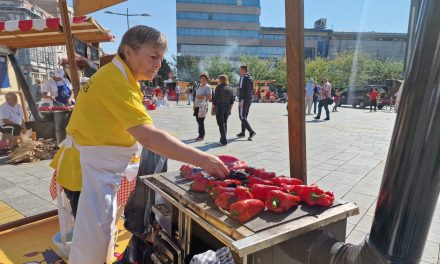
199 139
251 136
241 135
327 118
317 117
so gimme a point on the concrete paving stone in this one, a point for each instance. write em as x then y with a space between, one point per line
28 202
362 200
431 252
348 229
39 210
356 218
326 166
434 233
367 188
364 224
4 184
12 194
356 237
21 178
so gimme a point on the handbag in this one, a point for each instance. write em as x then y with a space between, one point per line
329 101
214 110
203 109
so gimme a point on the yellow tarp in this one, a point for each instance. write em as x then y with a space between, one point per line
33 243
84 7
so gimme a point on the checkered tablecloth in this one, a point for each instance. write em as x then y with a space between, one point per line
125 189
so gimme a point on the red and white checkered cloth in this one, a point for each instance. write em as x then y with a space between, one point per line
125 189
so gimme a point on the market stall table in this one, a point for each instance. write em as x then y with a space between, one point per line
260 240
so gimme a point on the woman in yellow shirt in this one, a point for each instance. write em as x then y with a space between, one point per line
108 119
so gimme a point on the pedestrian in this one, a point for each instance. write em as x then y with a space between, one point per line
373 98
57 90
324 98
336 99
316 90
221 105
109 118
203 96
11 119
189 93
36 90
309 96
259 95
267 96
178 92
246 86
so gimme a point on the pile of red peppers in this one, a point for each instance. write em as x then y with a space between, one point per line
248 191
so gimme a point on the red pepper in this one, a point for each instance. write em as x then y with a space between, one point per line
279 181
189 172
328 199
257 180
245 210
259 191
224 200
216 191
280 202
232 182
200 183
316 196
254 171
214 183
299 190
243 193
265 175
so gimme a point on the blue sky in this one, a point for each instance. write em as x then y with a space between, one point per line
342 15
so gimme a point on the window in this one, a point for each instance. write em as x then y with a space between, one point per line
218 17
217 32
223 2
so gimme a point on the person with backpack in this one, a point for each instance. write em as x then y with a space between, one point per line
57 91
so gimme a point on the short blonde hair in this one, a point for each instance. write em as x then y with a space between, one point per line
140 35
223 79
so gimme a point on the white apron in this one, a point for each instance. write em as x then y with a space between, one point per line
102 170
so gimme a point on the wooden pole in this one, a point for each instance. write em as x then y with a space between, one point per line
62 4
295 87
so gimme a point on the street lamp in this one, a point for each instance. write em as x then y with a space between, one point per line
126 15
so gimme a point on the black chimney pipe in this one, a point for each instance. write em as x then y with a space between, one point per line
411 182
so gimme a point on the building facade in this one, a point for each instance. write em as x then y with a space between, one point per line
35 62
231 28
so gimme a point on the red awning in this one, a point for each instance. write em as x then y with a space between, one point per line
17 34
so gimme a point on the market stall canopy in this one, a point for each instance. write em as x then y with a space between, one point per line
16 34
84 7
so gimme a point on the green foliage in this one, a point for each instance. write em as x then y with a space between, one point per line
165 68
280 74
260 69
188 68
218 66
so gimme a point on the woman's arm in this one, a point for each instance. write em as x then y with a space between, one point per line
166 145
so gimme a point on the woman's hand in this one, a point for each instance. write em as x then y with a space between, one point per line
214 166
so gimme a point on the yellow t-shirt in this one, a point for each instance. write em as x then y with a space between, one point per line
107 105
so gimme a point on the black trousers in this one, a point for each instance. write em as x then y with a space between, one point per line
323 103
222 122
373 104
200 122
244 112
315 104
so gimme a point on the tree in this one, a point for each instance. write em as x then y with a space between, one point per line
165 68
280 73
260 69
217 66
316 69
188 68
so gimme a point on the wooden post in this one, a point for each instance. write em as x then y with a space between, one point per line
62 4
295 87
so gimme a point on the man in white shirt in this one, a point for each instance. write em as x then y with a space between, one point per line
56 91
11 118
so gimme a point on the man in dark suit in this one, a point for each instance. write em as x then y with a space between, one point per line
246 86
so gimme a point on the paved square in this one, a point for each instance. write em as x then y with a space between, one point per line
346 155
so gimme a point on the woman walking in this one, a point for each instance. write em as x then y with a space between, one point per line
203 96
316 90
222 105
336 99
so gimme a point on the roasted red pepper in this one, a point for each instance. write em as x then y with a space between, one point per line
316 196
280 202
189 172
259 191
265 175
214 183
245 210
257 180
243 193
224 200
279 181
216 191
200 183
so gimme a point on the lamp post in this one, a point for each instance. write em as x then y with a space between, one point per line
126 15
